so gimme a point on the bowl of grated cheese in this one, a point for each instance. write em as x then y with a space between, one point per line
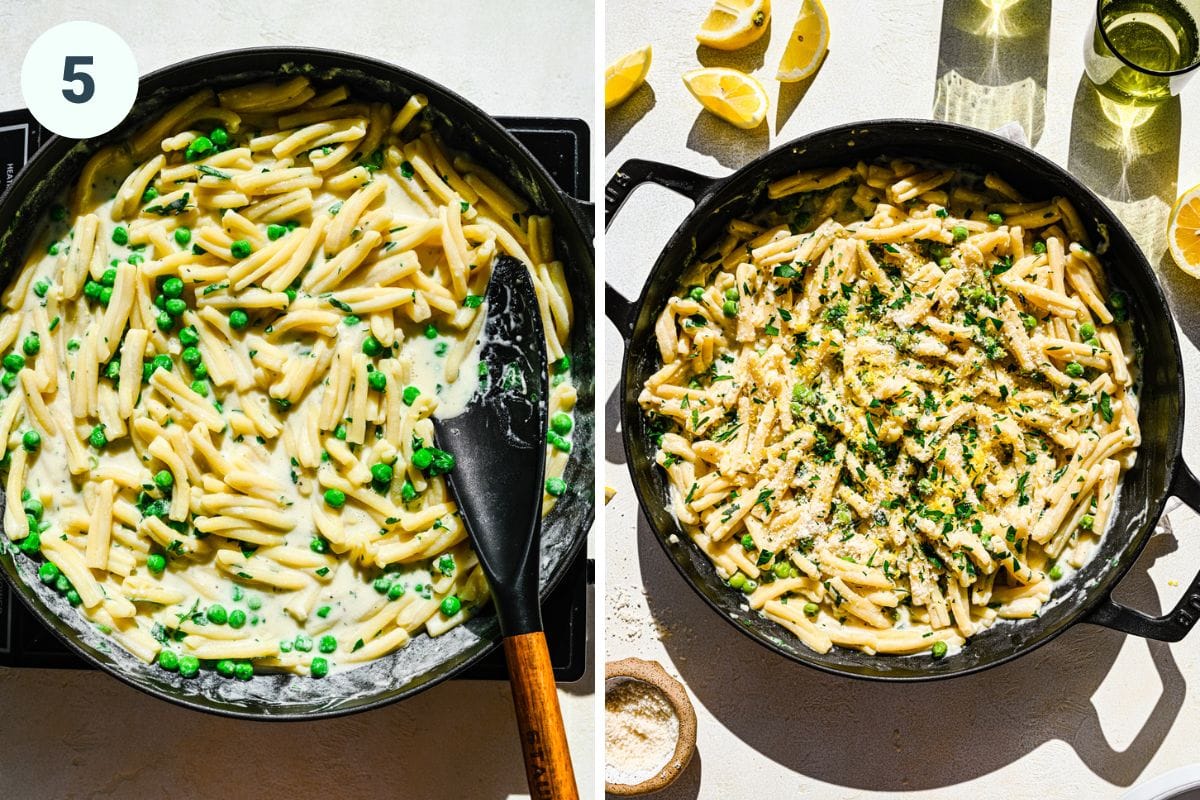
649 727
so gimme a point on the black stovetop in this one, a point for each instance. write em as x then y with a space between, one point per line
563 147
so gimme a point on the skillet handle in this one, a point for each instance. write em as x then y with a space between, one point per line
1173 626
629 176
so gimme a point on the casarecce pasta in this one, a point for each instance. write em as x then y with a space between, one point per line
221 366
896 405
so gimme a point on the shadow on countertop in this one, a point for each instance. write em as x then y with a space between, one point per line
979 723
619 120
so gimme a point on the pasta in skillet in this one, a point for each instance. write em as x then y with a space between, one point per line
896 405
221 370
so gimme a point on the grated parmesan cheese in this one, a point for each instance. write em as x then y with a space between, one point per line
640 731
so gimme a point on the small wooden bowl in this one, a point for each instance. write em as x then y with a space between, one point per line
651 672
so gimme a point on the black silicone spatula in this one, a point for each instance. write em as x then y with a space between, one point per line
499 444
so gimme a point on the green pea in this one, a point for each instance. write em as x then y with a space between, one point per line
939 650
696 293
112 370
168 660
106 294
371 346
562 365
810 609
48 573
275 231
254 603
41 287
382 584
32 344
782 569
408 492
163 479
92 289
200 371
149 194
729 308
431 332
323 611
451 605
217 614
97 437
1074 369
8 380
423 458
1056 572
558 442
156 563
219 137
737 580
225 668
995 219
240 249
190 356
749 586
335 498
200 388
1029 321
410 395
319 667
62 584
183 236
960 233
13 362
173 287
160 302
561 423
339 432
200 147
188 336
120 235
285 647
303 643
189 666
318 545
381 473
165 321
327 644
1087 330
52 249
377 380
1087 521
395 591
1039 248
31 441
238 319
58 213
556 487
243 670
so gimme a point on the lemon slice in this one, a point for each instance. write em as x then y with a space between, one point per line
732 24
1183 234
806 44
733 96
624 76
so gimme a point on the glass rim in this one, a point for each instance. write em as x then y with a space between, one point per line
1145 70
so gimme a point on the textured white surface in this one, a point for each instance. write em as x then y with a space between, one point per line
82 734
1085 716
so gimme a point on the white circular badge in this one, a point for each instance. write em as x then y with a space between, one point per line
79 79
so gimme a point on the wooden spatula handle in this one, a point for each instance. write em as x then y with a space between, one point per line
539 719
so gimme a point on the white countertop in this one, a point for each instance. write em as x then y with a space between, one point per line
83 734
1087 715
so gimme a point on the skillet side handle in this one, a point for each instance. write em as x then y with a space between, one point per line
629 176
1173 626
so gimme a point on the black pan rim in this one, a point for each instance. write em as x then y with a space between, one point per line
1005 148
569 209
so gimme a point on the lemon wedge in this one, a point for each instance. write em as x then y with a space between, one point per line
733 24
734 96
806 44
624 76
1183 234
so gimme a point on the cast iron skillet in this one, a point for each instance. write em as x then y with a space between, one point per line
425 661
1158 474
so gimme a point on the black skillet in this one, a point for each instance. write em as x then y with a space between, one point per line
1158 474
425 661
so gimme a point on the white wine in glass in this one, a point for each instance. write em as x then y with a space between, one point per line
1140 52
